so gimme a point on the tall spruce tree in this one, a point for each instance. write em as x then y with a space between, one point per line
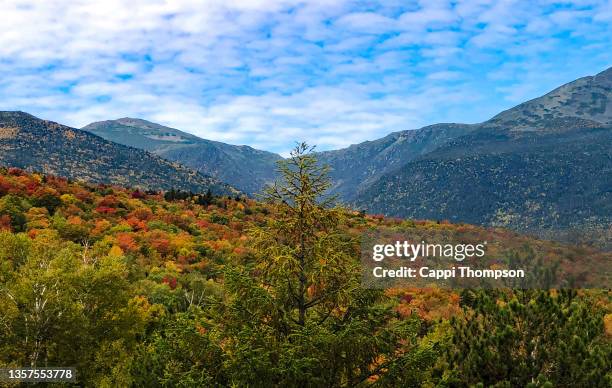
298 316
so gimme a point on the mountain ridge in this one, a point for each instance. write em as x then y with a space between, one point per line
533 168
225 161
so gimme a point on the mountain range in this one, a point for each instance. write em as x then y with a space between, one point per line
543 166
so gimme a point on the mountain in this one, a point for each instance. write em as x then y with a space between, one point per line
243 167
33 144
544 166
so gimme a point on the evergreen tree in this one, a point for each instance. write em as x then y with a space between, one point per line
298 316
530 338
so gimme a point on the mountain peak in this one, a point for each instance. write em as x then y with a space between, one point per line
604 78
243 167
133 121
585 99
15 114
140 133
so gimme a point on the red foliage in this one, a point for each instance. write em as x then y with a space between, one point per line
170 281
82 195
138 194
14 171
161 242
108 201
203 224
5 222
106 210
5 186
31 187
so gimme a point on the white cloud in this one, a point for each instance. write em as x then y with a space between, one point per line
269 72
368 22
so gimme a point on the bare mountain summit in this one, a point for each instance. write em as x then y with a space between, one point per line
243 167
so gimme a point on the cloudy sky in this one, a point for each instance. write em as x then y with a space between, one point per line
267 73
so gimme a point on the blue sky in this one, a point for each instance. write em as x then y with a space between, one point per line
269 73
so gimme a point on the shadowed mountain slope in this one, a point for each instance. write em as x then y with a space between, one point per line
243 167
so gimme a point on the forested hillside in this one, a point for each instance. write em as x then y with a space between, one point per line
542 167
38 145
555 184
198 290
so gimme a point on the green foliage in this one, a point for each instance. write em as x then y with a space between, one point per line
529 338
69 231
134 290
48 201
180 353
59 307
14 207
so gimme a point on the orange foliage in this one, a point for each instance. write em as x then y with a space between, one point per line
126 242
75 220
160 242
141 213
100 227
136 224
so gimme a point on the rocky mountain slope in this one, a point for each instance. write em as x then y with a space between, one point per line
545 165
358 166
33 144
243 167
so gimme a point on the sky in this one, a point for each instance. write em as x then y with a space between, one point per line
269 73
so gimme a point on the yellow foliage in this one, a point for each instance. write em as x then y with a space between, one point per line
171 266
68 198
115 251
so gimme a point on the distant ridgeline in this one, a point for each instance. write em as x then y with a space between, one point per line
543 166
243 167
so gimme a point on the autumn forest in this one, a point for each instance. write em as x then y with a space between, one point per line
137 288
